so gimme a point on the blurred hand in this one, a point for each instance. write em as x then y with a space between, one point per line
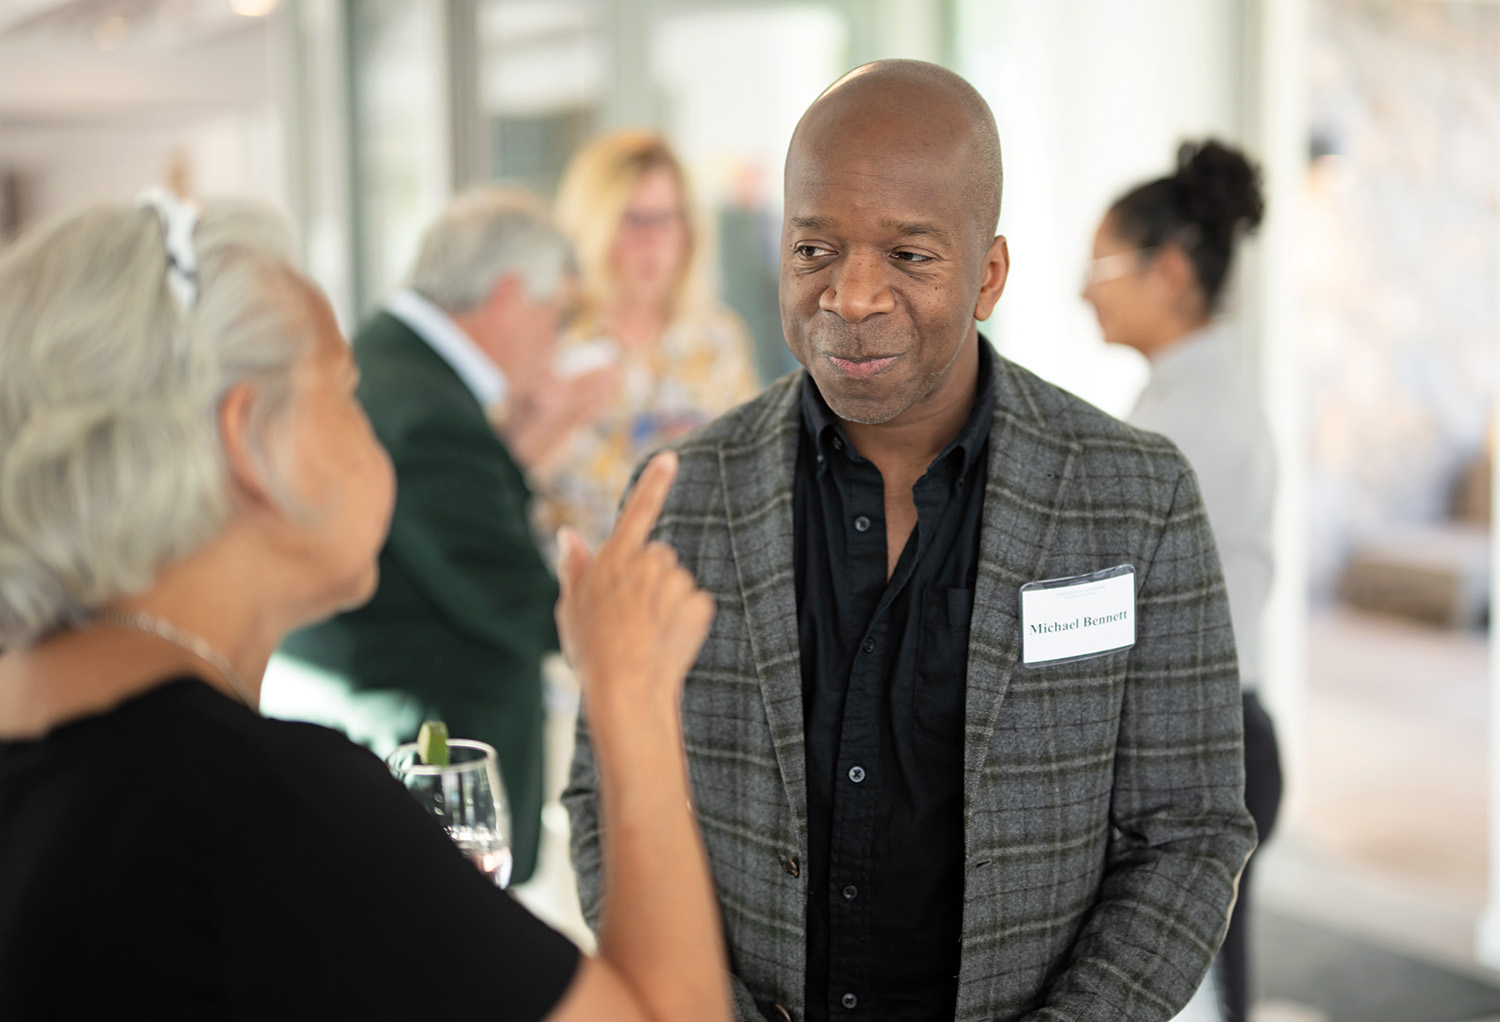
594 393
537 425
632 620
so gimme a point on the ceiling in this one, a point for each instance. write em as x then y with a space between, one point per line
69 62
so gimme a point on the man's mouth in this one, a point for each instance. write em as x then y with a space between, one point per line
862 368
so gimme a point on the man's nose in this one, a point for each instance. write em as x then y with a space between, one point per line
858 288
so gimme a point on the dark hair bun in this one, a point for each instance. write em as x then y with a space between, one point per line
1220 190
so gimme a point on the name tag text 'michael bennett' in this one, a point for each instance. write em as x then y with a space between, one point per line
1047 627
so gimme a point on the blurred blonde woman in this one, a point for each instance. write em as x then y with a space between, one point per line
681 357
185 476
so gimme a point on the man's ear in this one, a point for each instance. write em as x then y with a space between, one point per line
996 270
505 294
506 300
245 473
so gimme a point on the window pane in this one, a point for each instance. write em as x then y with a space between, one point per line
544 67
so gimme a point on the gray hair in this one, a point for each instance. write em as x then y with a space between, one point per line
483 236
111 465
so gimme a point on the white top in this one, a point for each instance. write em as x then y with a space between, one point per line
447 338
1202 397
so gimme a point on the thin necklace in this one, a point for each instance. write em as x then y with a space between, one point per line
183 639
642 343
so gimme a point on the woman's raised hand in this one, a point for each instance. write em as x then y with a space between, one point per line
632 620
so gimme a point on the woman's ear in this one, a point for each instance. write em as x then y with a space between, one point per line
246 473
1181 279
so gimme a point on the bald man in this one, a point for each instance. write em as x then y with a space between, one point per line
965 736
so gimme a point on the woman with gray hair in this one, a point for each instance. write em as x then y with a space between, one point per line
185 476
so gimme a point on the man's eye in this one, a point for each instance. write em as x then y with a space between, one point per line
810 251
912 257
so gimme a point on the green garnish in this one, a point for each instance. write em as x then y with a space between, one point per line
432 743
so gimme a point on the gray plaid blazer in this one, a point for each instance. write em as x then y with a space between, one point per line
1104 818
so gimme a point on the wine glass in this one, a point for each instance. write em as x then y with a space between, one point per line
466 797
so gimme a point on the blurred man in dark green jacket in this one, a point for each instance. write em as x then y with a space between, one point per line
450 372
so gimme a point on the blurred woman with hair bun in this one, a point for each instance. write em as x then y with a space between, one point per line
682 357
1161 265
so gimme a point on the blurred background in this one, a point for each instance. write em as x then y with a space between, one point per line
1372 298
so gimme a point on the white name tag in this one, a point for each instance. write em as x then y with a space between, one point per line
1071 618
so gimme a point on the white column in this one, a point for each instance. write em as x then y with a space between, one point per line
320 146
1487 940
1277 67
459 63
631 99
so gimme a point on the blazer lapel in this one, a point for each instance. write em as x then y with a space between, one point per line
1030 470
758 474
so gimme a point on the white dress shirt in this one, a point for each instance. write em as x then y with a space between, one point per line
436 327
1202 396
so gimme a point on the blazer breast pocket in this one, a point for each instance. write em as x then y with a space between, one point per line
942 663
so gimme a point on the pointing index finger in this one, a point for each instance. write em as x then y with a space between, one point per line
645 502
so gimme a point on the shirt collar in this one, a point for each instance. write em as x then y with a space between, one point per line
455 347
829 436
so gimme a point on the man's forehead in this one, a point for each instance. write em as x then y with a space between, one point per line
883 166
872 151
880 145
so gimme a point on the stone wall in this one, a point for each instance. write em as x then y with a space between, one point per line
1399 252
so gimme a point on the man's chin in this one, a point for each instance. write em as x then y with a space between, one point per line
867 409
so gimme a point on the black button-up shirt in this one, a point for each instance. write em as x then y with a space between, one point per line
883 681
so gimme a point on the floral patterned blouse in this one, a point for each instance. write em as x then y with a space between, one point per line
700 368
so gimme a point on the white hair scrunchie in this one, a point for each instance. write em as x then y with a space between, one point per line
178 219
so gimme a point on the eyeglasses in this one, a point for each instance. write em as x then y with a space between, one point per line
636 222
1115 265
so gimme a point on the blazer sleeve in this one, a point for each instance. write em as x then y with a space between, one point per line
461 529
1181 831
581 797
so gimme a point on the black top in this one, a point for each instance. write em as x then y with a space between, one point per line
883 671
181 857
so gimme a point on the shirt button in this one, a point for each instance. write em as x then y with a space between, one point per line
850 1000
856 774
838 443
862 523
789 866
851 892
869 646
